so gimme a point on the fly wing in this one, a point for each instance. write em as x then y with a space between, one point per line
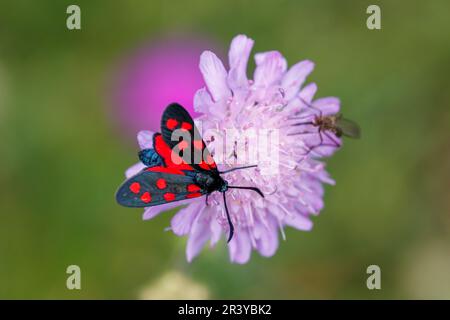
349 128
157 185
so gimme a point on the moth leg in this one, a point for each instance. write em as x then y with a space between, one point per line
206 201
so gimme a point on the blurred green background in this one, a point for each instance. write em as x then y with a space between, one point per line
62 157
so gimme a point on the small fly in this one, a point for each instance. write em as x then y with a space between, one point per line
336 124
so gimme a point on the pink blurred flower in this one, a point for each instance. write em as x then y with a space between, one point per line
294 194
156 75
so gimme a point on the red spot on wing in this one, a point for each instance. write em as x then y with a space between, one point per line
161 183
171 123
198 144
171 159
192 188
186 126
210 161
209 164
193 195
183 145
146 197
176 160
135 187
169 196
204 166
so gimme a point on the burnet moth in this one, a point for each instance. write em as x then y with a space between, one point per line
170 174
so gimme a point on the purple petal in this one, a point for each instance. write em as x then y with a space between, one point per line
293 106
266 239
215 76
200 233
152 212
308 92
216 231
181 223
294 78
240 247
270 67
134 169
322 148
203 101
299 222
145 139
238 59
325 178
325 151
275 210
329 106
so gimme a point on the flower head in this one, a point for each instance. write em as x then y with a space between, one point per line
155 75
290 176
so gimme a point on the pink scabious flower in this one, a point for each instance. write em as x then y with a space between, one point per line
155 75
294 192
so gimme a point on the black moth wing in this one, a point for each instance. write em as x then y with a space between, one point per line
173 117
147 189
195 152
349 128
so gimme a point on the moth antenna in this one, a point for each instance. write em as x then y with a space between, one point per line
228 218
248 188
238 168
